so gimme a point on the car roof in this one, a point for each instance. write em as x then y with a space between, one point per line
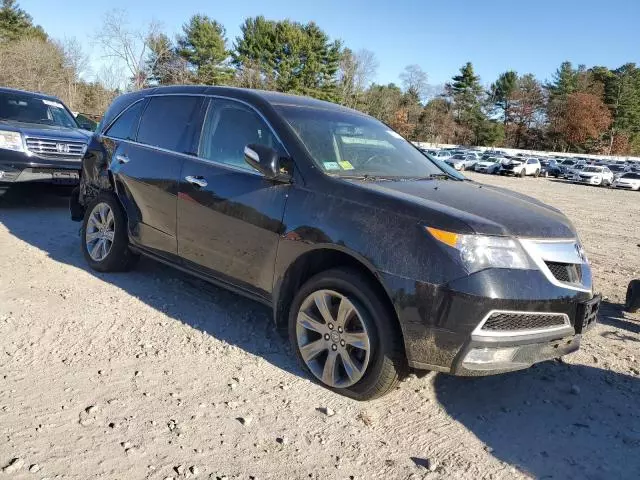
32 94
274 98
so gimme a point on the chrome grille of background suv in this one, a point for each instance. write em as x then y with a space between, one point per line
55 149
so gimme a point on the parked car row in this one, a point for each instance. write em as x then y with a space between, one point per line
578 170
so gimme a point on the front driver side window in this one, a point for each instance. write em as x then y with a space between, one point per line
229 127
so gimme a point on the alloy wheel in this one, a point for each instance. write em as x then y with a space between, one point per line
100 231
332 338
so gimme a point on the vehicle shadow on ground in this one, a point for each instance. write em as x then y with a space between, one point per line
40 217
613 315
553 419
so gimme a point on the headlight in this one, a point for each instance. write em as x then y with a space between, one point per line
477 252
11 141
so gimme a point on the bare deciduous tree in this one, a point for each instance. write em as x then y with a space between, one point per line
127 46
414 81
357 70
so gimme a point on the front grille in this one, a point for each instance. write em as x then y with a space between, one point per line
502 321
508 167
566 272
55 149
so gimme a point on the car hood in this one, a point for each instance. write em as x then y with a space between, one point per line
46 131
484 209
486 164
590 174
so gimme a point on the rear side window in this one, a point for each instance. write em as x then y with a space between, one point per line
166 122
125 126
228 128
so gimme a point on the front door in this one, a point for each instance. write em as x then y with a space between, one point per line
229 215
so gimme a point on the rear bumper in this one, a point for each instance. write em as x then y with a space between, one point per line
440 322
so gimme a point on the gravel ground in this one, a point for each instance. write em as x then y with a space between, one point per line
155 375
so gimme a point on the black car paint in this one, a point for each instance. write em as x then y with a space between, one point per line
15 163
253 235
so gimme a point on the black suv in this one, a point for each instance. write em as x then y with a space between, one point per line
372 256
40 140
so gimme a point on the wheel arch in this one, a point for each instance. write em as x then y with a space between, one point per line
317 260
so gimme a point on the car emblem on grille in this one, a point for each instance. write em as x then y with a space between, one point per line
580 251
62 147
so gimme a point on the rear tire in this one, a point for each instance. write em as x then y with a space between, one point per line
536 174
104 238
632 303
379 359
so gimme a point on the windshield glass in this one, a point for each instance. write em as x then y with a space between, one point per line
16 107
616 168
347 144
593 169
634 176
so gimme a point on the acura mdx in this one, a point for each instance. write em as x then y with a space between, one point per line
373 257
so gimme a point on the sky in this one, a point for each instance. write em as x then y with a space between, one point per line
532 36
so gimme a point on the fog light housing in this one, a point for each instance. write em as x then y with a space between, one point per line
489 358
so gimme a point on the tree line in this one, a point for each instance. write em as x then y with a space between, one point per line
591 110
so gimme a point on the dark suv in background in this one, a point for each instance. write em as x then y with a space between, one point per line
40 140
372 256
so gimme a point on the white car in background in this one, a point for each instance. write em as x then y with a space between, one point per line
442 155
593 175
489 165
521 167
629 181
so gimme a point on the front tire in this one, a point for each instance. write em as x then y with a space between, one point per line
345 337
105 243
632 302
522 173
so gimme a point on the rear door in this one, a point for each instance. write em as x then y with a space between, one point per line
147 169
229 215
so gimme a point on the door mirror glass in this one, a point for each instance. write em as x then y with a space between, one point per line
266 161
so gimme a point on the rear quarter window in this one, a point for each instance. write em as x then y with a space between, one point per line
166 122
126 124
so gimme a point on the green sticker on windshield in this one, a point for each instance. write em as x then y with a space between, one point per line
331 165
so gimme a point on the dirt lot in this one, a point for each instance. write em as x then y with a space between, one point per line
155 375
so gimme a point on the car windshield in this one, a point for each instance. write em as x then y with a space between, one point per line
353 145
458 156
16 107
631 176
593 169
617 168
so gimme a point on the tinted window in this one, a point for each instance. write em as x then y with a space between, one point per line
126 124
229 127
166 122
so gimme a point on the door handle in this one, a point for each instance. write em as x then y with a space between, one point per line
122 159
197 181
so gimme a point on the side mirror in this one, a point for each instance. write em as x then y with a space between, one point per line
265 160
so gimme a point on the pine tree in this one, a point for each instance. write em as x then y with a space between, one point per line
15 23
204 46
501 93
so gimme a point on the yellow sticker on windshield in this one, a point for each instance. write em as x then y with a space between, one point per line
346 165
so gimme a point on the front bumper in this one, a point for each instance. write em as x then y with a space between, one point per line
587 181
18 167
440 322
